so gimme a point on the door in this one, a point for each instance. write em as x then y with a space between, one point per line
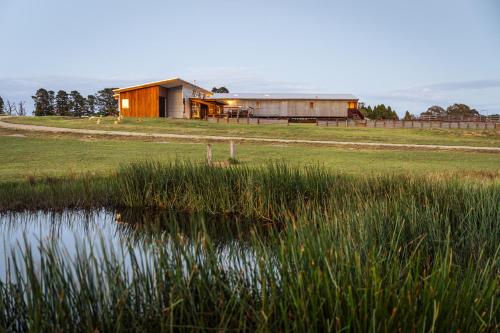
163 107
203 111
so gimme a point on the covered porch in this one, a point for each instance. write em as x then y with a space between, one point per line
203 109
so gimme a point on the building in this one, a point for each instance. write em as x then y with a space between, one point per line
289 105
176 98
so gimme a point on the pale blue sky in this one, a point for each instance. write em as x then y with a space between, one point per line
409 54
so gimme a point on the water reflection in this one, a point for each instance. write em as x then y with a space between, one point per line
73 230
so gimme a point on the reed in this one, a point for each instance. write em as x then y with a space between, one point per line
339 253
319 274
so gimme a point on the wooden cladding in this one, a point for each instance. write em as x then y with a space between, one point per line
141 102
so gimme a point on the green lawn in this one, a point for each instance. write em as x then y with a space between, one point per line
49 155
489 138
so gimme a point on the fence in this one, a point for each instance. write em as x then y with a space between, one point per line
251 121
409 124
367 123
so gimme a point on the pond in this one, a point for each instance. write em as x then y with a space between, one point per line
94 233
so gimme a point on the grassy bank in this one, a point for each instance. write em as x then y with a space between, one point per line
351 253
464 137
35 155
268 192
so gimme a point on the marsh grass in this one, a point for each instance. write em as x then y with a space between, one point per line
340 253
316 275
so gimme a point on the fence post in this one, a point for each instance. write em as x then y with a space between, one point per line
209 154
232 150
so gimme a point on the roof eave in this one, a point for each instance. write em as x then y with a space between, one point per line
159 83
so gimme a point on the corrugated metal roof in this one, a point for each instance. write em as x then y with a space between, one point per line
284 96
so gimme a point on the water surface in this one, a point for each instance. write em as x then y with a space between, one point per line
72 230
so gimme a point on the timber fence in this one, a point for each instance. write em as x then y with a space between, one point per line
368 123
409 124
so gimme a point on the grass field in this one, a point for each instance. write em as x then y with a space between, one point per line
25 154
490 138
371 240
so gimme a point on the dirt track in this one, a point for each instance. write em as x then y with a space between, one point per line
247 139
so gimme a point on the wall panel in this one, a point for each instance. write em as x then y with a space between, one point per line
142 102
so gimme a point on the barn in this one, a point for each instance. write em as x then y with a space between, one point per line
306 106
177 98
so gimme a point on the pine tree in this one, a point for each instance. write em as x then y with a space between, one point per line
408 116
52 103
77 104
90 105
62 103
42 102
107 104
2 111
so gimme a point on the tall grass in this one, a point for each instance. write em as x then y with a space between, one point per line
340 253
317 274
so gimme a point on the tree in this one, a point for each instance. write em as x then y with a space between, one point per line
42 103
21 111
11 108
90 105
408 116
221 90
52 102
106 103
379 112
77 104
434 112
62 103
2 111
460 111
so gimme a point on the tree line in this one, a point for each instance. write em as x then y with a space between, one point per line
378 112
73 104
456 111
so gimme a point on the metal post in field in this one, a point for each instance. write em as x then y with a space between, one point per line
232 150
209 154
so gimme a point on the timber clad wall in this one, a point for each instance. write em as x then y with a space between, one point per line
295 108
142 102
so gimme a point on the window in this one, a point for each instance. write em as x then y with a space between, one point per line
258 104
311 105
125 103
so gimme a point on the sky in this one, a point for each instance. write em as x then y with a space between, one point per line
407 54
